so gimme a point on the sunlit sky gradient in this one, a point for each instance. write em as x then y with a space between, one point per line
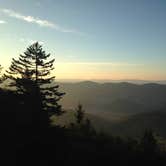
90 39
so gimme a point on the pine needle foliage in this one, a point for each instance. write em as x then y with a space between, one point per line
30 75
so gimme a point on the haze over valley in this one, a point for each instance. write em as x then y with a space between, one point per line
117 107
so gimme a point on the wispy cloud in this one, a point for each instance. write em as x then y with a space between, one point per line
2 22
38 21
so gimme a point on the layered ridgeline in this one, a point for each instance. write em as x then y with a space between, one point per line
115 97
132 125
118 108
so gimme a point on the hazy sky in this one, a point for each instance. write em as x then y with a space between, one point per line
90 39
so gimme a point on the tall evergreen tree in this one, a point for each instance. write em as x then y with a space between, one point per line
30 75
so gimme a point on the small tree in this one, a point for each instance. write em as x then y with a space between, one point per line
30 75
83 125
0 68
2 78
80 113
149 142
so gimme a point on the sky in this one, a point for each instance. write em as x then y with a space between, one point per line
89 39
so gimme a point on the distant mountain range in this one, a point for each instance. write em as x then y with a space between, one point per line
114 97
118 108
134 81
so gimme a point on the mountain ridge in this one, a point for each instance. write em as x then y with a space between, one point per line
100 96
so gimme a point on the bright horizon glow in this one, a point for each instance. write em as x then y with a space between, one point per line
99 40
99 71
102 71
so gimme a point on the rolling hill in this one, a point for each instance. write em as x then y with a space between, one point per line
133 125
137 124
114 97
117 108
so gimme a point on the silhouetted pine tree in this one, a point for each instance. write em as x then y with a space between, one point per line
30 76
150 149
79 114
83 124
149 142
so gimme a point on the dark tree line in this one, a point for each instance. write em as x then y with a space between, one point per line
28 138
